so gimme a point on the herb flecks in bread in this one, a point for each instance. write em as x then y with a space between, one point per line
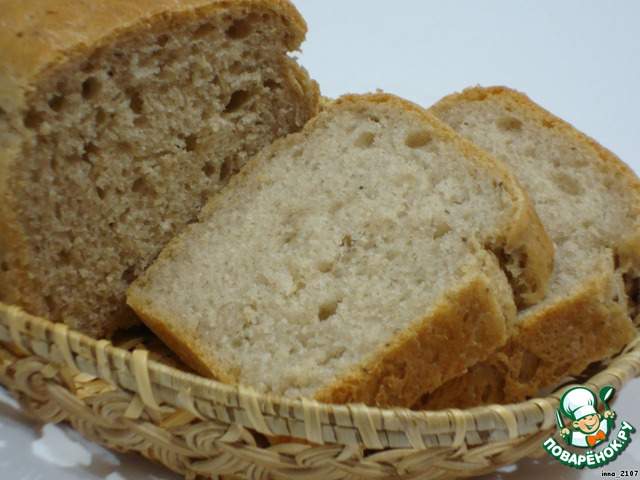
360 260
118 120
589 202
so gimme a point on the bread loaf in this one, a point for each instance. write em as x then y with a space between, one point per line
118 119
589 202
368 258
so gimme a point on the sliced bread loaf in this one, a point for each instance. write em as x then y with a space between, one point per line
589 202
368 258
118 119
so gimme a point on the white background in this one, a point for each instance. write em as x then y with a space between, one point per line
578 59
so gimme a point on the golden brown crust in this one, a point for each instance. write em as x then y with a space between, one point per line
562 337
182 343
421 357
542 350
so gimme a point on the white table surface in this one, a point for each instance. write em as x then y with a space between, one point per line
579 59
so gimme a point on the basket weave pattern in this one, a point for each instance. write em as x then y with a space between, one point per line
126 398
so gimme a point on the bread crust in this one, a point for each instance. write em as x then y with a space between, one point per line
555 338
539 353
421 357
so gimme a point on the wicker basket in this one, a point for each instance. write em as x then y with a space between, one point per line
128 398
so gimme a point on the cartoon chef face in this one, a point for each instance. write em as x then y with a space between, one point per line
587 424
579 404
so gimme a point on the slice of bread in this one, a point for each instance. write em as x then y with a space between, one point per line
368 258
589 202
118 119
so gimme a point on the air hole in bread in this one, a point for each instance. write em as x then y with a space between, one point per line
129 274
48 299
270 84
568 183
136 103
335 207
290 236
347 241
528 367
33 119
297 152
632 290
237 67
90 149
225 171
124 148
365 140
64 257
203 30
327 310
239 29
162 39
124 216
57 103
237 99
547 124
100 192
509 124
191 143
586 224
325 267
4 266
101 116
138 185
90 88
441 229
208 169
141 121
418 139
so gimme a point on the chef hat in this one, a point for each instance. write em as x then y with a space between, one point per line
578 403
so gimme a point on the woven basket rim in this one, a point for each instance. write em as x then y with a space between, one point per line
308 420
